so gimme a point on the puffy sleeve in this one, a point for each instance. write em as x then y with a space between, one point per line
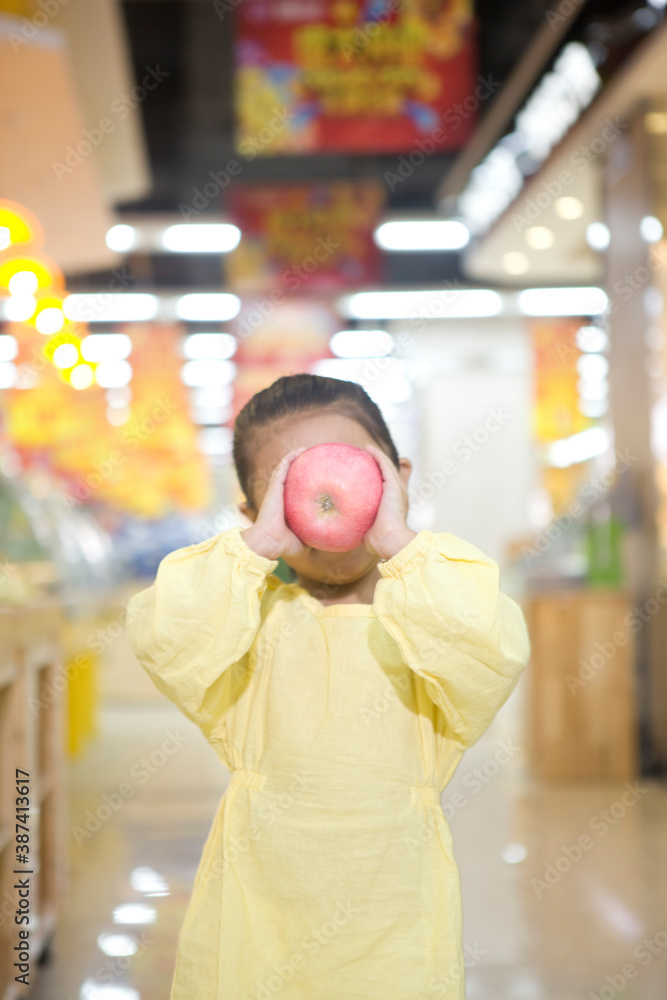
439 597
198 619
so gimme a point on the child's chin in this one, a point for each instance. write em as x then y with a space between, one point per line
347 565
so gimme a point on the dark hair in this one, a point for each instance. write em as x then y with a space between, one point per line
293 395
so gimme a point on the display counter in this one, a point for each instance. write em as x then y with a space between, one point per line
582 702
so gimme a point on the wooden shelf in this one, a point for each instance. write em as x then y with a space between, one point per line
32 737
582 707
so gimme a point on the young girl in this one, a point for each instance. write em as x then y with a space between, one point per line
342 704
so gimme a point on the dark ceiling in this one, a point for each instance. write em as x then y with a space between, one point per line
189 119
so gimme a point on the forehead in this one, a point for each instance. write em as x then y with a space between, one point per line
303 432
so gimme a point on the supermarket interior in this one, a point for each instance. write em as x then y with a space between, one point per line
459 206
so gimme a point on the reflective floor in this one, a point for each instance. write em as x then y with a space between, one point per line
564 888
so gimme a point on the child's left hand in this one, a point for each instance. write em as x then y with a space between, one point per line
389 532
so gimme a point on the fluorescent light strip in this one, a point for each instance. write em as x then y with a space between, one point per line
201 238
440 303
109 307
563 301
424 235
206 307
579 448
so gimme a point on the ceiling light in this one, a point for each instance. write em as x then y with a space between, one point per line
65 356
591 338
23 283
9 347
81 376
515 262
19 308
207 415
431 234
9 374
593 390
592 367
562 301
655 122
5 237
215 440
598 236
118 415
212 395
106 347
111 307
579 448
121 238
113 374
569 208
204 373
593 407
658 4
539 237
461 303
361 343
208 307
650 229
50 320
201 237
209 346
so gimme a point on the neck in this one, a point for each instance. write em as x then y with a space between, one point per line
360 591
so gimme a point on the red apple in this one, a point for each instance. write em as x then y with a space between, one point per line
331 496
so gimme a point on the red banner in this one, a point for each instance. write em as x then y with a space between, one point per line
372 76
305 237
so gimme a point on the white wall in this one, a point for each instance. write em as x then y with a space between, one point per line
464 373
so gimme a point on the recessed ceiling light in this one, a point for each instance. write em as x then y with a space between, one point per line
598 236
650 229
121 238
515 262
540 237
591 339
569 208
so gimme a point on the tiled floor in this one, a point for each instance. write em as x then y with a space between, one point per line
573 931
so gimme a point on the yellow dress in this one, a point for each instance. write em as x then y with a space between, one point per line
328 872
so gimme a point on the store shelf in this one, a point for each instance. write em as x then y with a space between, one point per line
582 711
32 737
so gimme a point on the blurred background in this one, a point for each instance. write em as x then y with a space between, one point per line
461 207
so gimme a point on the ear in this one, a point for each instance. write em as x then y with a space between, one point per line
404 469
247 511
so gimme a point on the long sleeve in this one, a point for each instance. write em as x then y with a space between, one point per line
198 619
439 597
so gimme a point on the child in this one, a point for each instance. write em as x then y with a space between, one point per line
342 704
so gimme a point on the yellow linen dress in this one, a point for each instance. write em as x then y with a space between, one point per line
328 872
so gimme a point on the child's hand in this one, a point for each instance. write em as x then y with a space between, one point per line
389 532
269 536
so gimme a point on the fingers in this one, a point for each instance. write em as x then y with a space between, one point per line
387 467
